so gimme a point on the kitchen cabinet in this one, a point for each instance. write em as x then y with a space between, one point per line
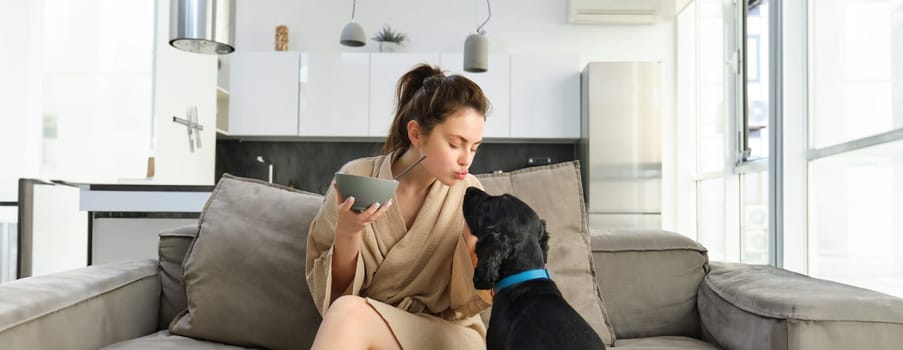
545 96
385 71
496 86
324 94
263 96
334 94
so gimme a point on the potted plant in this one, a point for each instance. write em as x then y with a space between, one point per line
389 40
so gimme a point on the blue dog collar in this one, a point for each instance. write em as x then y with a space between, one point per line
521 277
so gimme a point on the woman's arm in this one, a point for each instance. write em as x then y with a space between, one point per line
344 261
347 244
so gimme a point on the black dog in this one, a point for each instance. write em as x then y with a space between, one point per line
528 311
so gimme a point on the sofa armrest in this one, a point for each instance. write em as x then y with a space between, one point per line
649 280
85 308
762 307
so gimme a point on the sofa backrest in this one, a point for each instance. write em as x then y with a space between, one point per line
649 280
173 246
554 191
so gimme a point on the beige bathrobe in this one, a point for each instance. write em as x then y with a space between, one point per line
419 279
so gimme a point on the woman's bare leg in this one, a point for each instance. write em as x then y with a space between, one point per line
351 323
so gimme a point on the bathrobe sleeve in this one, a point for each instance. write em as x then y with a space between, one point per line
320 239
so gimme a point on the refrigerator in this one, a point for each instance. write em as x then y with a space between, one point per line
620 145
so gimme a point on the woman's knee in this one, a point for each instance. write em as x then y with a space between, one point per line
349 307
352 318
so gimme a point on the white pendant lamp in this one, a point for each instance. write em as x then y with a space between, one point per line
202 26
476 48
353 34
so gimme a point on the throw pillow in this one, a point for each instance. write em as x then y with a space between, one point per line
555 192
244 273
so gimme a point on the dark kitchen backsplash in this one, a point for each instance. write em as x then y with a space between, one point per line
310 165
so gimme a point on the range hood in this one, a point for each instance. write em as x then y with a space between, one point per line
202 26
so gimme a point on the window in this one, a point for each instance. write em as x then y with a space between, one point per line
851 65
856 198
855 137
710 219
711 119
8 241
754 218
97 65
731 208
757 81
840 70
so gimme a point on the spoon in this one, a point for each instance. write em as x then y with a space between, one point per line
406 170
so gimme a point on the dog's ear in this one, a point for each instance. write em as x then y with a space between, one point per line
473 210
544 242
493 249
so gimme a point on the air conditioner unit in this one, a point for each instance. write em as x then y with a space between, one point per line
615 11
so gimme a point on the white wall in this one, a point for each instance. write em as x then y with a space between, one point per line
20 94
182 79
522 26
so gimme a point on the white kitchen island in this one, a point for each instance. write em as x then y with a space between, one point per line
124 220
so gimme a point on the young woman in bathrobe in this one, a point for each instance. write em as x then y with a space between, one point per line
399 275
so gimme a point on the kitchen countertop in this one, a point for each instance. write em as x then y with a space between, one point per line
143 198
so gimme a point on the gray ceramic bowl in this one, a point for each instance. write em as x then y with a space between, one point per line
366 190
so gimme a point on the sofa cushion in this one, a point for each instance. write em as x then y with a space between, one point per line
556 194
172 248
664 343
649 280
163 340
244 272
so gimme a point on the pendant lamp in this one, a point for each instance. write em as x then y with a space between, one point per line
353 34
202 26
476 48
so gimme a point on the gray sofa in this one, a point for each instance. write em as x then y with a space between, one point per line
659 292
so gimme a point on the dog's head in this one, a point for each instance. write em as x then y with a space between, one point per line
510 236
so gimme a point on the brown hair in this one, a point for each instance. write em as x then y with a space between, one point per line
428 95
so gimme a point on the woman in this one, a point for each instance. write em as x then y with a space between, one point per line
399 275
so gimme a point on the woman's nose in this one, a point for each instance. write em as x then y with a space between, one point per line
465 159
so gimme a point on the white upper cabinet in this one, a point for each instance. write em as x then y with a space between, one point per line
334 94
353 94
496 86
545 96
263 99
385 71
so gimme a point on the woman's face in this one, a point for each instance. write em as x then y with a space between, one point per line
452 144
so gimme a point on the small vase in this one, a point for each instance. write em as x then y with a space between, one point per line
388 46
281 38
